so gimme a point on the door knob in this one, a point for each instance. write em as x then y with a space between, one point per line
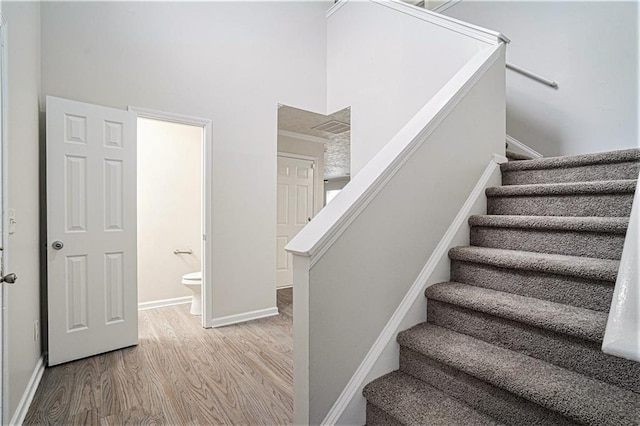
9 278
57 245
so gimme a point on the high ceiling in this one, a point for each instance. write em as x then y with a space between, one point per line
337 154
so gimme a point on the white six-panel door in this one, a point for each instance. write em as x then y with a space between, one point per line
91 229
294 209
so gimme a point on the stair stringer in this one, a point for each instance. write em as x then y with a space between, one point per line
384 355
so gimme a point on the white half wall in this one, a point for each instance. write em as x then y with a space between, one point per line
23 255
230 62
373 66
590 49
169 207
364 250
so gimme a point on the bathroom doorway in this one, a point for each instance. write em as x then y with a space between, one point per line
173 173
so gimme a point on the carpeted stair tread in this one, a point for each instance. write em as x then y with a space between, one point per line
565 289
622 156
516 156
578 322
601 237
590 173
413 402
613 225
378 417
500 404
573 353
571 188
583 267
574 395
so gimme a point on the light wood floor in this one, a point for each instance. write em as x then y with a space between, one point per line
179 374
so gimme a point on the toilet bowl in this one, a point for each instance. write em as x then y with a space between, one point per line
193 281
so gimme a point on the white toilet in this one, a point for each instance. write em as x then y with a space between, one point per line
193 281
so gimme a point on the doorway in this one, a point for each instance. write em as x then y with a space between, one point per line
314 155
174 210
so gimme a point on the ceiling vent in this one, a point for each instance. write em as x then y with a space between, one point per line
333 126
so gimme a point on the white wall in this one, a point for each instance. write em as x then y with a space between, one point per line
23 297
377 61
293 145
231 62
169 207
590 49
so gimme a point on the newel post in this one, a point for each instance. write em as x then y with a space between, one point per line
301 266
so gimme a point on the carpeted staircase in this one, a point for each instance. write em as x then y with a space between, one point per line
515 336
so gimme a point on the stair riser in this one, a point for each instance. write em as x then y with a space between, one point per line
594 172
480 395
581 292
565 351
588 244
377 417
616 205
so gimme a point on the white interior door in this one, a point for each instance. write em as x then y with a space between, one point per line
294 209
91 229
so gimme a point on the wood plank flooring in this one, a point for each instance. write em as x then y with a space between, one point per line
179 374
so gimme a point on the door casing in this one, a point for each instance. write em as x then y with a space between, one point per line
4 225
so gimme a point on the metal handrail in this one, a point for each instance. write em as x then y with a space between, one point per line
533 76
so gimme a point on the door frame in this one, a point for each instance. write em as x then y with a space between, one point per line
4 192
207 185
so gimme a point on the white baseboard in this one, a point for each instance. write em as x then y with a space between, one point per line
165 302
521 147
383 356
29 392
247 316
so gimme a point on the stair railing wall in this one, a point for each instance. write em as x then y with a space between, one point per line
357 259
622 335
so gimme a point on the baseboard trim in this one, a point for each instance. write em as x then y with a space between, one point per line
29 392
247 316
143 306
375 362
522 147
